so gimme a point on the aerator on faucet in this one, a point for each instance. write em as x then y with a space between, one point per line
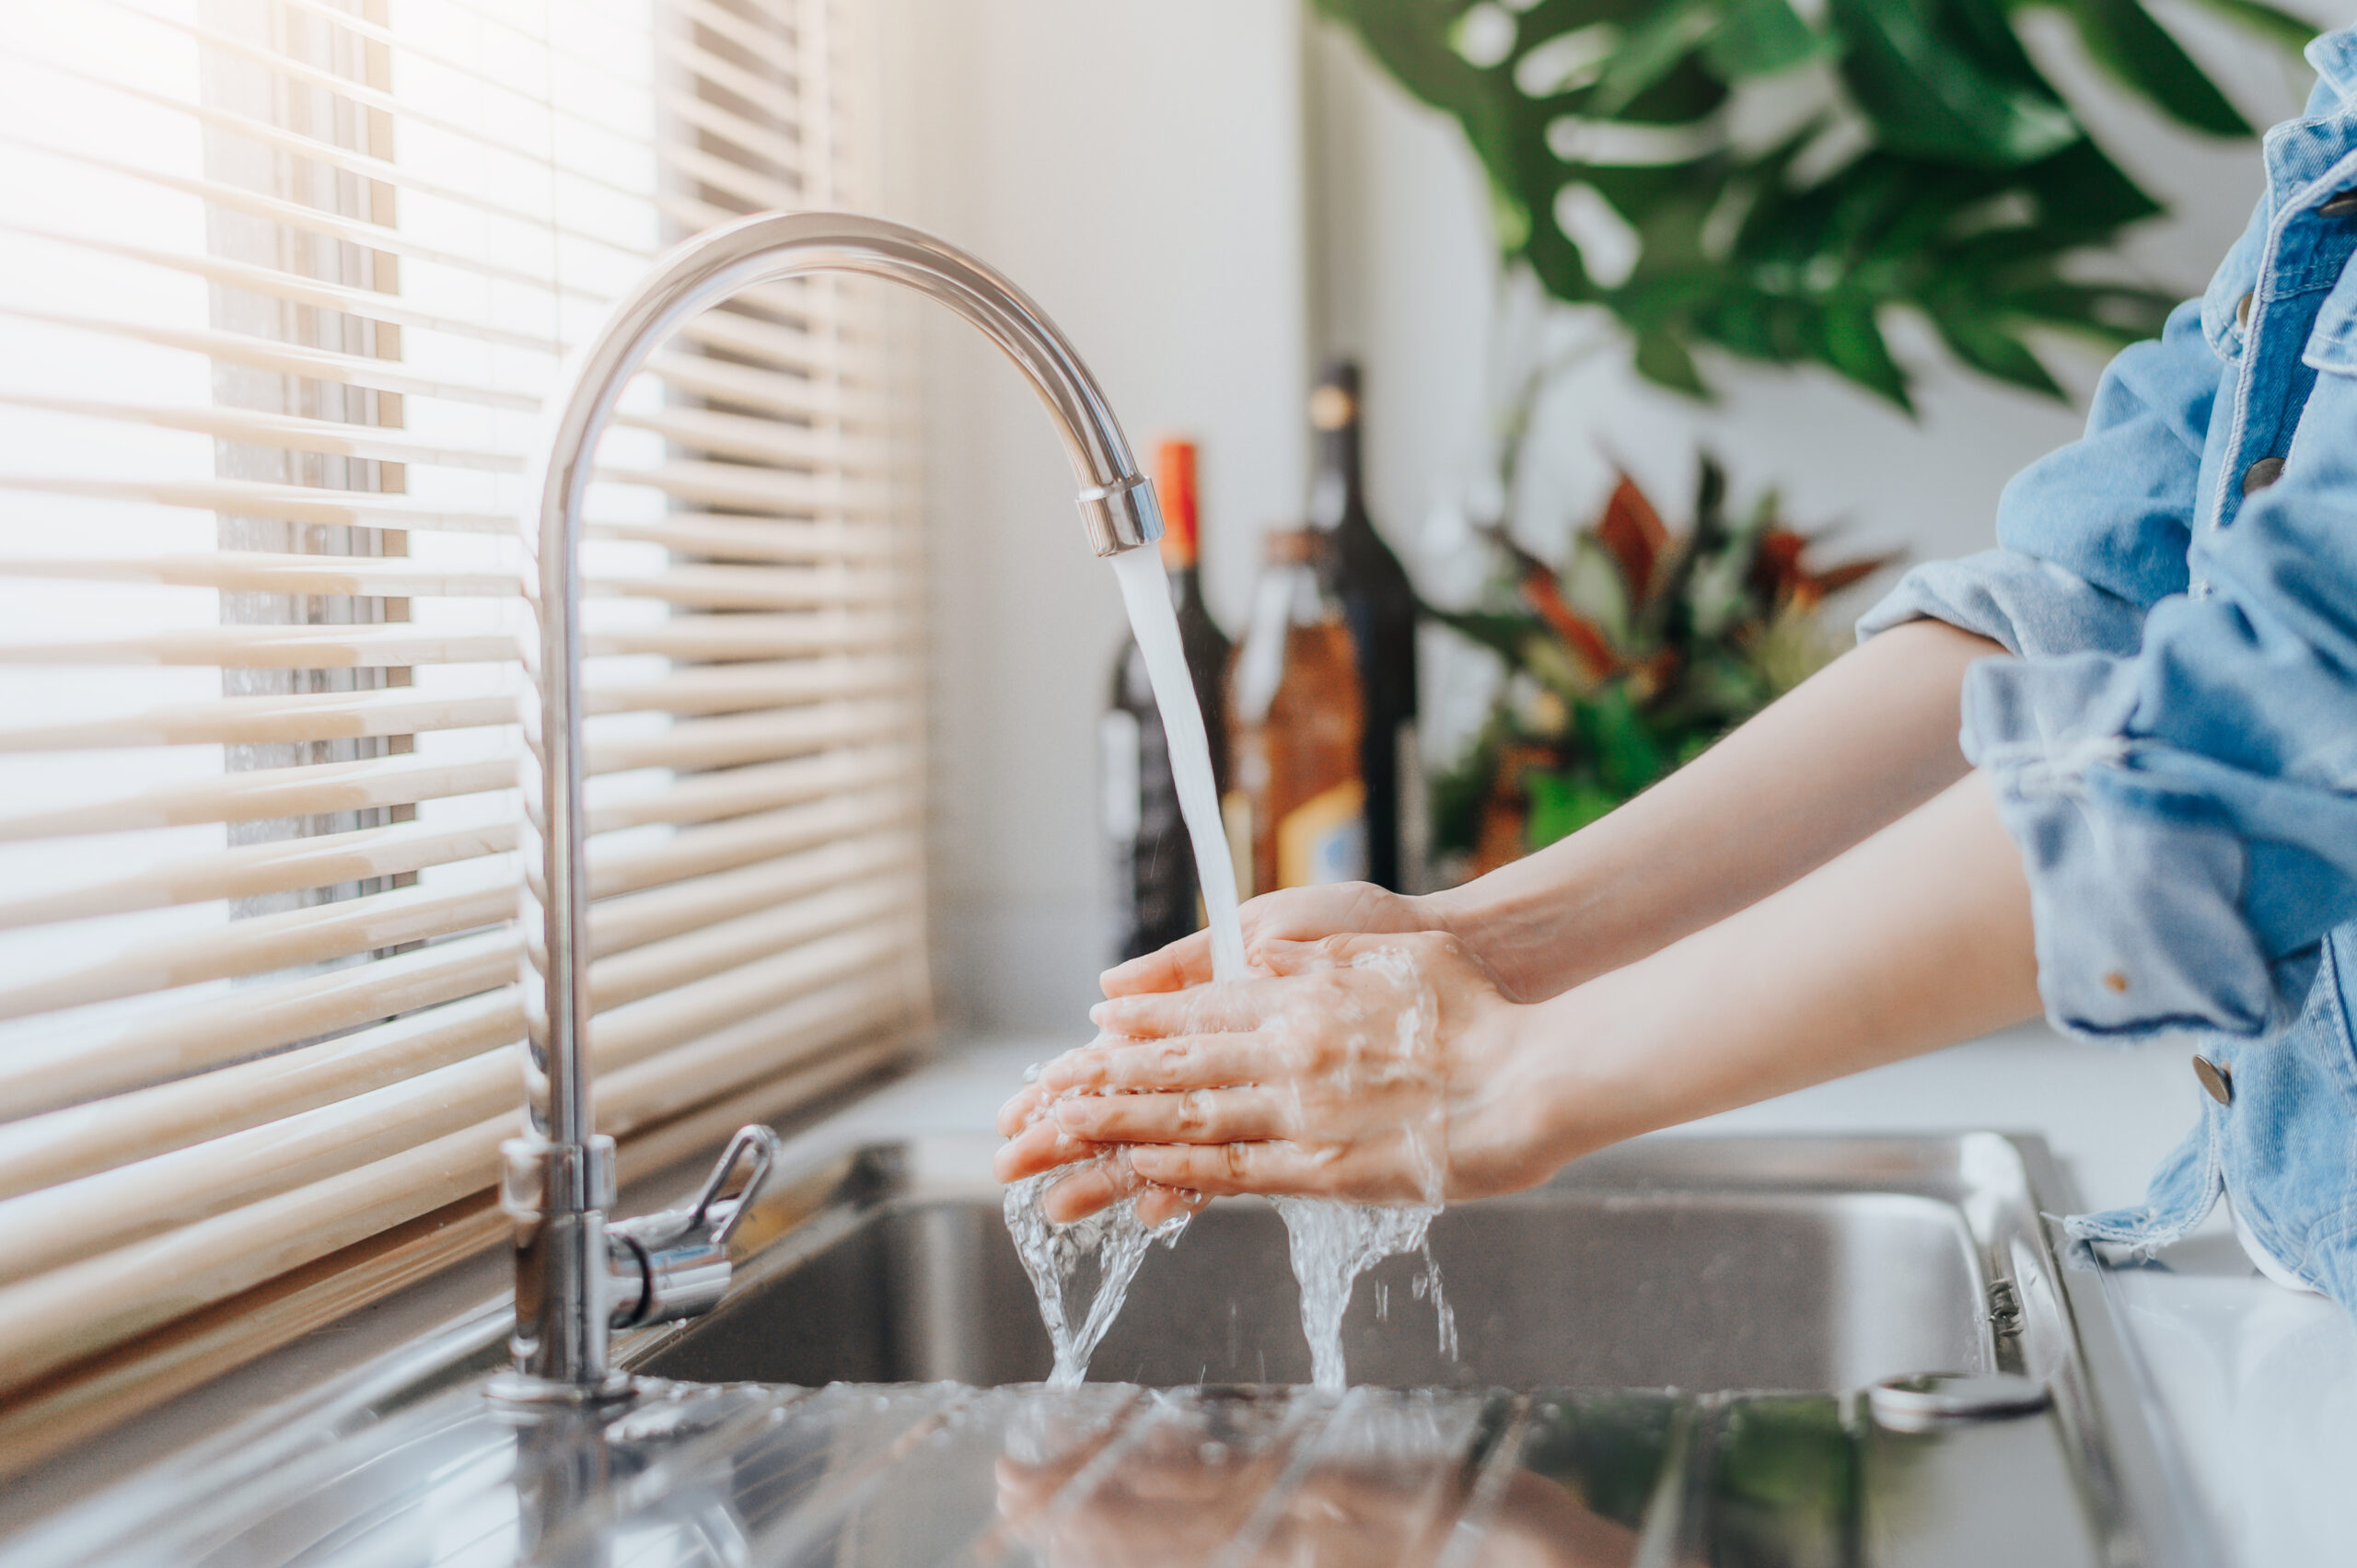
577 1277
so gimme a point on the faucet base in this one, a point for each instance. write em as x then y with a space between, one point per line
523 1392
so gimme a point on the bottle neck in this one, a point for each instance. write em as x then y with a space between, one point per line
1338 492
1186 587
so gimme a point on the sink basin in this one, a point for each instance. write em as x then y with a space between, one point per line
1682 1351
1692 1265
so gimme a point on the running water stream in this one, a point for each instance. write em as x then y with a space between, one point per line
1331 1242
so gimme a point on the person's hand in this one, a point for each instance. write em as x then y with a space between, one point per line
1291 914
1377 1068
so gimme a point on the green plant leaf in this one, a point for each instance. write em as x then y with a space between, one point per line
1763 37
1627 758
1561 805
1503 635
2125 40
2293 32
1917 70
1975 204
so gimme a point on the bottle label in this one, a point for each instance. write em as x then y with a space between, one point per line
1324 838
1118 749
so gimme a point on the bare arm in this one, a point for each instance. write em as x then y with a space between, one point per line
1333 1077
1867 739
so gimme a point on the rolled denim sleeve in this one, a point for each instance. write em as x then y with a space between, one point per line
2095 533
2188 814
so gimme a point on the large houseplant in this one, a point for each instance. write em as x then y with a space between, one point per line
1740 173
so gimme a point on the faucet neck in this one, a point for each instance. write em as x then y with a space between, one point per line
560 1174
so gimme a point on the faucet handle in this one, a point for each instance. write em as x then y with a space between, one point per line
756 1145
674 1263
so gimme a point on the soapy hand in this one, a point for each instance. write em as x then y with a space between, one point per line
1376 1068
1291 914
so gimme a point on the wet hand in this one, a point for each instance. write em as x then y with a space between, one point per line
1375 1068
1292 914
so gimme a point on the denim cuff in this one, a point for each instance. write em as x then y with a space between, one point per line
2135 889
2032 606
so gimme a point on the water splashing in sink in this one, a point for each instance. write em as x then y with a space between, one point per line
1331 1242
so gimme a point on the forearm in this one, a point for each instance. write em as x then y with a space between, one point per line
1867 739
1918 938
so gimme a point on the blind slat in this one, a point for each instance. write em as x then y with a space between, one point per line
330 253
286 359
96 1214
272 282
713 120
264 943
49 1321
723 538
336 715
254 871
45 1149
359 93
330 437
261 793
277 648
343 160
281 503
295 215
198 1038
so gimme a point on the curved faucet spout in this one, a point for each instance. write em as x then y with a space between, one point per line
558 1178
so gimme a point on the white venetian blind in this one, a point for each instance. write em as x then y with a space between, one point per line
282 283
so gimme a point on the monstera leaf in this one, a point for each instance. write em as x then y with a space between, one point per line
1733 172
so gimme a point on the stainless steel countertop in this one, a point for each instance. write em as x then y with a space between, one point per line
2255 1381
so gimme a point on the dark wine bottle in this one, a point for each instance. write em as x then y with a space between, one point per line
1379 604
1156 896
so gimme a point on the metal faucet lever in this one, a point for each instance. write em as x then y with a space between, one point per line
675 1263
577 1276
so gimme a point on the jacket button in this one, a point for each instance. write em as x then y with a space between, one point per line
2340 206
2216 1082
2242 312
2261 474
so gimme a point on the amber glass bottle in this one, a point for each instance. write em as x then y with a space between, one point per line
1156 899
1297 804
1380 606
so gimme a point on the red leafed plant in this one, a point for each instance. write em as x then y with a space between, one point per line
1642 649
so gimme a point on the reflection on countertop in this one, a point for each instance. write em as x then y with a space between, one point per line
2254 1382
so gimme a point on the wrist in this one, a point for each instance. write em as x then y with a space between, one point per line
1590 1067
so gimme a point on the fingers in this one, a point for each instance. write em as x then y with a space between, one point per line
1159 1206
1098 1186
1330 952
1275 1169
1203 1009
1198 1116
1040 1147
1184 1061
1185 962
1292 914
1106 1182
1029 1104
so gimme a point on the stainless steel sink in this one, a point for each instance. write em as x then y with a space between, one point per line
1698 1265
1682 1352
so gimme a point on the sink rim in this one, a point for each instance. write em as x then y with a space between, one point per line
2006 1186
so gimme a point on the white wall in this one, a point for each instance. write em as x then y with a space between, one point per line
1404 280
1207 195
1134 165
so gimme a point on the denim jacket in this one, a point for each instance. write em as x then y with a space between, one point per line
2172 743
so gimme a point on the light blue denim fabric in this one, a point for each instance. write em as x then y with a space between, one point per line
2173 743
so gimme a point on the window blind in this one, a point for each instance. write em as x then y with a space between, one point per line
282 283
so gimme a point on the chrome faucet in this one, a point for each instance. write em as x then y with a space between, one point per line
577 1276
